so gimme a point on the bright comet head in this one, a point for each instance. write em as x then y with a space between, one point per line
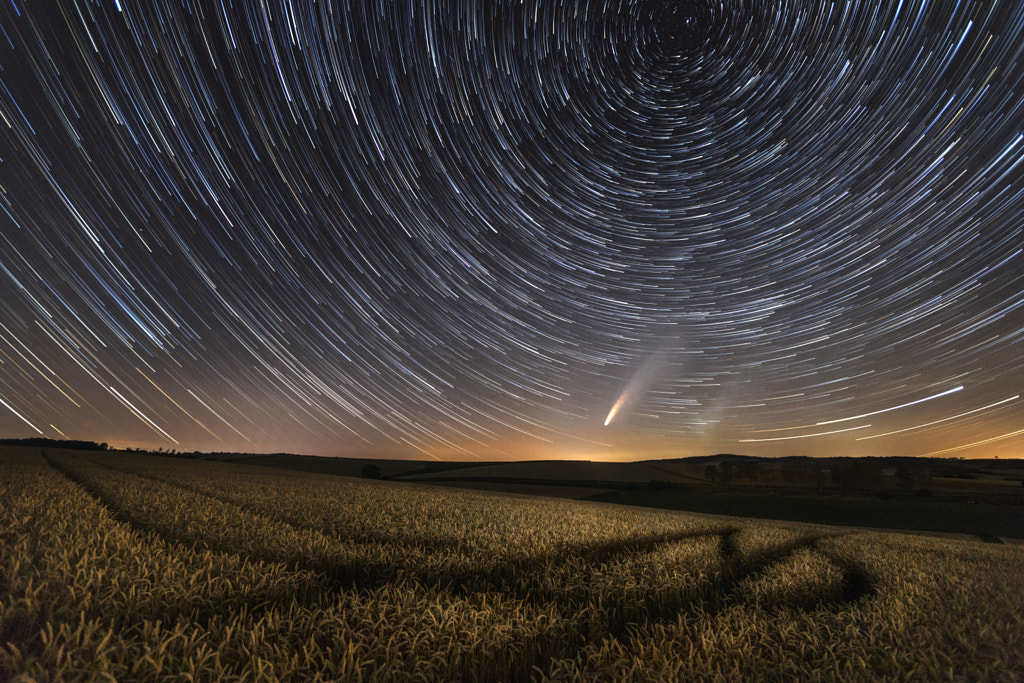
615 408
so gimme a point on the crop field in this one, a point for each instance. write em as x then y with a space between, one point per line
119 566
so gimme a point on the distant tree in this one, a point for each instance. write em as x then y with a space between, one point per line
841 473
924 482
795 472
726 472
371 471
817 474
749 469
43 442
856 473
905 475
660 485
711 472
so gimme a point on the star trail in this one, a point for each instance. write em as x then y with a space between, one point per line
514 229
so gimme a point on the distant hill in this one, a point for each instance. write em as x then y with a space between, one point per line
710 459
981 497
42 442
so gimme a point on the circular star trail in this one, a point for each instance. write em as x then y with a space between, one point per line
504 229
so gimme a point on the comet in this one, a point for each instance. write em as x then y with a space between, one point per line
615 408
638 385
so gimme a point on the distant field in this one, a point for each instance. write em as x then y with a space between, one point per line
550 491
143 568
561 470
985 499
990 521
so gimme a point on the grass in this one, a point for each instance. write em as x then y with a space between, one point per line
129 567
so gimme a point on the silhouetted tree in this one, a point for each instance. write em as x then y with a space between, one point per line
795 472
856 473
371 471
43 442
817 474
924 482
711 472
749 469
905 475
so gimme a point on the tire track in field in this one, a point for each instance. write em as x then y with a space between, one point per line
200 610
467 580
523 578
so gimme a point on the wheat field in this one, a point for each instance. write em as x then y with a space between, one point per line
130 567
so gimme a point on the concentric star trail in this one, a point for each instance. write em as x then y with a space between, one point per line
458 228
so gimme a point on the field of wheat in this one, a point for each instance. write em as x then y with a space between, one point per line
130 567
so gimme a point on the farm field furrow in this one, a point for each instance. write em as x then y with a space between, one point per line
145 568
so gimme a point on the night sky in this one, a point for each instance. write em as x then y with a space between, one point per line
514 229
